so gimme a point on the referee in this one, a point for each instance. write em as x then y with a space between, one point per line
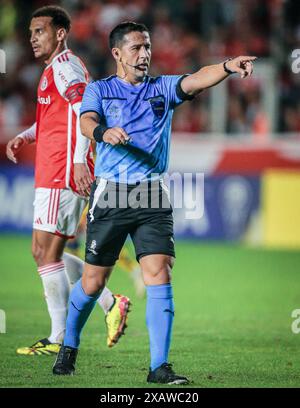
129 115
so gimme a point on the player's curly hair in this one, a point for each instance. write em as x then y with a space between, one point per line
60 17
117 34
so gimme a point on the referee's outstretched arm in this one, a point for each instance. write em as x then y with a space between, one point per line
213 74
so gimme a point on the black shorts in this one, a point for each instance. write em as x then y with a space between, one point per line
116 210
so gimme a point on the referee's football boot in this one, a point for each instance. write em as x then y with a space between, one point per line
116 319
165 375
65 361
42 347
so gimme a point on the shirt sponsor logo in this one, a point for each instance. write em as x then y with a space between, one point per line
63 78
44 84
44 101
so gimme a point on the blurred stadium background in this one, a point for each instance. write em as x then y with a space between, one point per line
243 135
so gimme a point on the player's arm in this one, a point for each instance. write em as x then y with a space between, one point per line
73 92
70 80
16 144
82 177
211 75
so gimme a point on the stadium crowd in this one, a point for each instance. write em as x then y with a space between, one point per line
185 34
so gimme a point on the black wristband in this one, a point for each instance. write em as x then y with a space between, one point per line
180 93
99 132
228 71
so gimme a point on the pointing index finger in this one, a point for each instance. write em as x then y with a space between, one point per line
248 58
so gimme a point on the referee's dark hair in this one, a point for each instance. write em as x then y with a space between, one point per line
116 36
60 17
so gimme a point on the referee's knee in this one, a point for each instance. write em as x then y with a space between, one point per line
157 269
94 278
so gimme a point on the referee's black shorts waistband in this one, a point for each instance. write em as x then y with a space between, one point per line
120 186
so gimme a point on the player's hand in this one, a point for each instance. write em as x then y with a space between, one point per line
115 136
13 147
83 179
242 65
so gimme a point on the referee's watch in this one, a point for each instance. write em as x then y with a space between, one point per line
228 71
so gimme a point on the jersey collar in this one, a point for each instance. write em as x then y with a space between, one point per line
129 85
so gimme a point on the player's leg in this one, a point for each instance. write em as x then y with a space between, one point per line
159 316
160 307
105 238
47 249
126 262
72 208
74 269
154 244
82 301
53 224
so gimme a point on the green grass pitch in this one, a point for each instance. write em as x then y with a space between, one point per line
232 323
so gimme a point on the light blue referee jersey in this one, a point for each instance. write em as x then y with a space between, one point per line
145 112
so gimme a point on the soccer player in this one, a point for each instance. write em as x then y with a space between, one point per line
129 115
63 174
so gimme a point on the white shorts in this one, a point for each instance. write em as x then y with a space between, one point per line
57 211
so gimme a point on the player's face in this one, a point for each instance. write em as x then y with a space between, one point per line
135 54
43 37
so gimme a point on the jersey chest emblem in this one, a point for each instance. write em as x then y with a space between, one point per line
114 111
44 83
158 105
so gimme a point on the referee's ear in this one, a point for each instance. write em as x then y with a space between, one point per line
116 54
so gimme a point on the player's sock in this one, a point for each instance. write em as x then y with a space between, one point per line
74 269
106 300
159 319
80 307
56 288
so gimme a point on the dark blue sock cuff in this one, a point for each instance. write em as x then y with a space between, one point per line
160 291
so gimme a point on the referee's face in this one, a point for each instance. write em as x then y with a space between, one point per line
134 55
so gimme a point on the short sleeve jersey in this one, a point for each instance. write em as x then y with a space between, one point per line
145 112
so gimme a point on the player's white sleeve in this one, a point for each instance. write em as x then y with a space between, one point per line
68 72
82 142
71 77
29 135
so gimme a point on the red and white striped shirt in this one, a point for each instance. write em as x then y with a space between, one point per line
61 86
